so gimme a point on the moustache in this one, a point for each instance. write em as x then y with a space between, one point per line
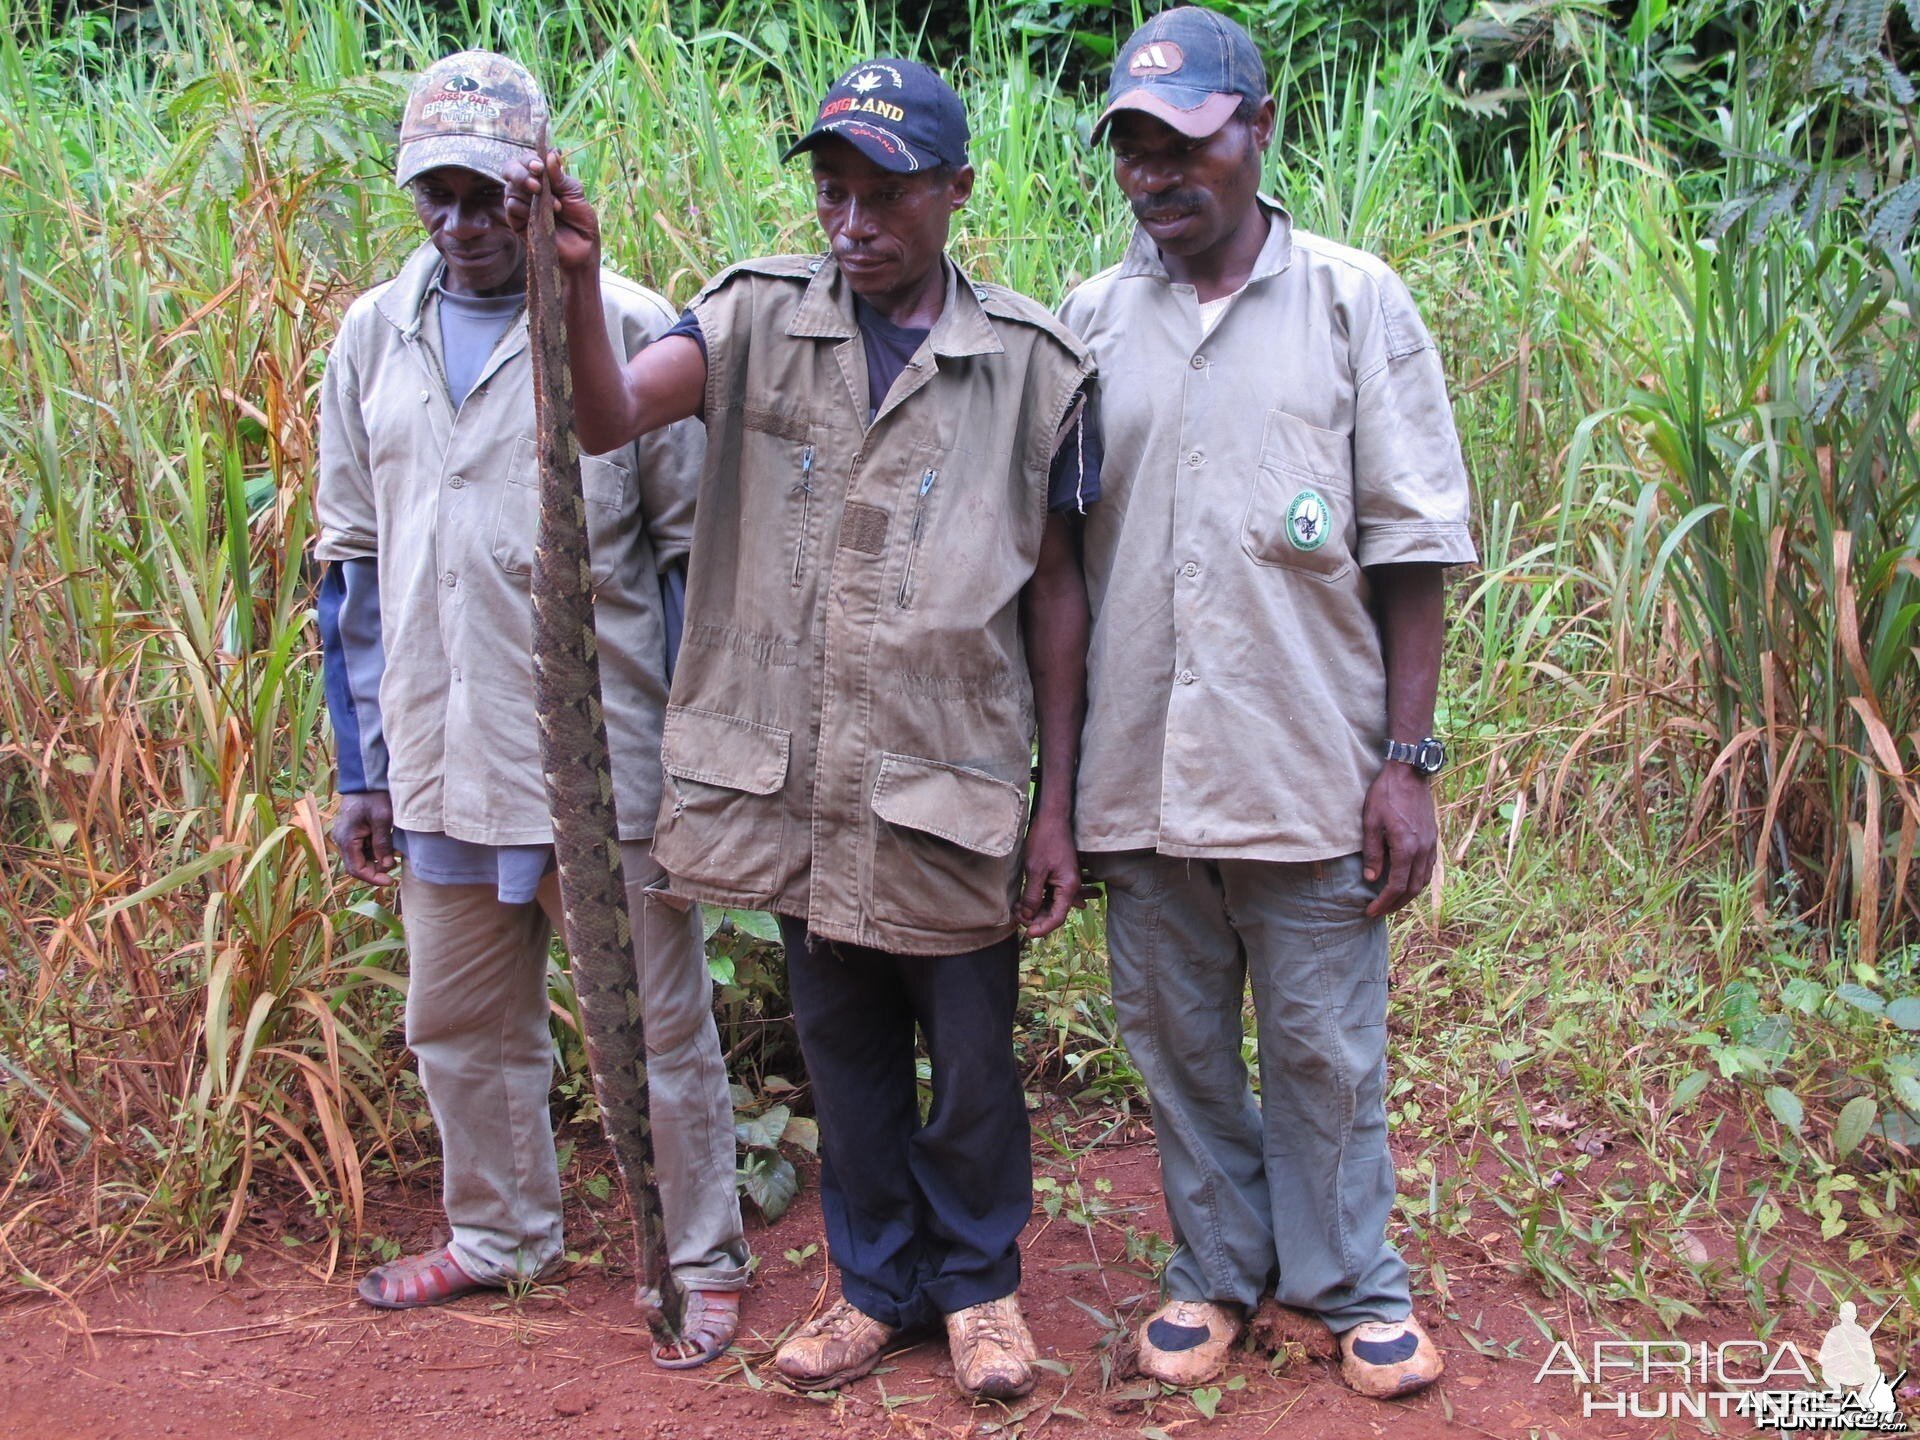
1156 207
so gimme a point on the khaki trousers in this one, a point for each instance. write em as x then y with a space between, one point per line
477 1025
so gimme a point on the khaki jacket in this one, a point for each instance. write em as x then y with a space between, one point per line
1236 695
449 504
851 726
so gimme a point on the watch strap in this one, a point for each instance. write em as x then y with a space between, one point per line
1427 756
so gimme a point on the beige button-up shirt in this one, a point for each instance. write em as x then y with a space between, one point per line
448 502
1236 691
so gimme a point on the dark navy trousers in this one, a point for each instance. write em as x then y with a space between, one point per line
923 1218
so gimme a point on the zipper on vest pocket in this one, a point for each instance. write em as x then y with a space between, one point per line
913 535
805 491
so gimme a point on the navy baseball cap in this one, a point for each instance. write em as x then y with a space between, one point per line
899 114
1188 67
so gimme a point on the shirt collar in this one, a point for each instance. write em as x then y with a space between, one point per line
404 301
1143 255
825 312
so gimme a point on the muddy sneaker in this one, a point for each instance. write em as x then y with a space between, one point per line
993 1352
1383 1359
1185 1343
833 1349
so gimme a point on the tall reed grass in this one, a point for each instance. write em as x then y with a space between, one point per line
1696 620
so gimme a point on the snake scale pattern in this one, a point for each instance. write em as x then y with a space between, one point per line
579 777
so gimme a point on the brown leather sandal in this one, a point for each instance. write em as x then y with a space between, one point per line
415 1280
705 1332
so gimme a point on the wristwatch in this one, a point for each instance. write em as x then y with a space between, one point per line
1425 756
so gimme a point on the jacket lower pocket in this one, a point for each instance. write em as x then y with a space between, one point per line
946 848
722 819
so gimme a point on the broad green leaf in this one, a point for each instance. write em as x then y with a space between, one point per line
1856 1118
1905 1012
1772 1035
1688 1090
763 1132
1899 1127
1860 998
755 923
803 1132
1907 1091
1803 995
1786 1107
771 1183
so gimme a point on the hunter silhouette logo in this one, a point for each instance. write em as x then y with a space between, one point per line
1308 521
1156 57
1848 1363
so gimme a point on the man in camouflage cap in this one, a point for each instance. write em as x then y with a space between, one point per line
428 506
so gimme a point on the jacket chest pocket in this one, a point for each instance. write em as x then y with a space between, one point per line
1300 505
785 454
612 513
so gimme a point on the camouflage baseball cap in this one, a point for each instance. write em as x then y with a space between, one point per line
477 110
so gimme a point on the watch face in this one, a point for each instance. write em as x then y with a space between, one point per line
1430 756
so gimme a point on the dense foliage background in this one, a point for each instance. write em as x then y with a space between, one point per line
1665 248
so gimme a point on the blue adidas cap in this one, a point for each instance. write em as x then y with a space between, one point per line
1187 67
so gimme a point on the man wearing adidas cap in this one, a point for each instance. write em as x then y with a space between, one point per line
884 605
428 508
1283 486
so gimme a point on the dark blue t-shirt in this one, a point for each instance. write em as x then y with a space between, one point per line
1074 482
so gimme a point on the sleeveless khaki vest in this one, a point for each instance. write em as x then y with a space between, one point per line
851 725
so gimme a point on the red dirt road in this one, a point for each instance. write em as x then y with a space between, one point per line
277 1354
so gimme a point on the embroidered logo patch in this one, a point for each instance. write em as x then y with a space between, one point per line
867 78
1308 521
1157 57
885 139
847 104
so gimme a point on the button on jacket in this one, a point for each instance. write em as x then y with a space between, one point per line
448 502
1236 691
852 720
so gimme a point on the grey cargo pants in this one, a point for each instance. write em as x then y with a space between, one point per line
1293 1190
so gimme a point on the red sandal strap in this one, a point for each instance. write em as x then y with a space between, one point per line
415 1280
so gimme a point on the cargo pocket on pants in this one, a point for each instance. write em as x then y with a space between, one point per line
945 850
722 821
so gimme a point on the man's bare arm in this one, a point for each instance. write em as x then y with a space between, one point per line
613 403
1400 830
1054 612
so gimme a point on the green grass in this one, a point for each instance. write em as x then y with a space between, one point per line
1679 907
